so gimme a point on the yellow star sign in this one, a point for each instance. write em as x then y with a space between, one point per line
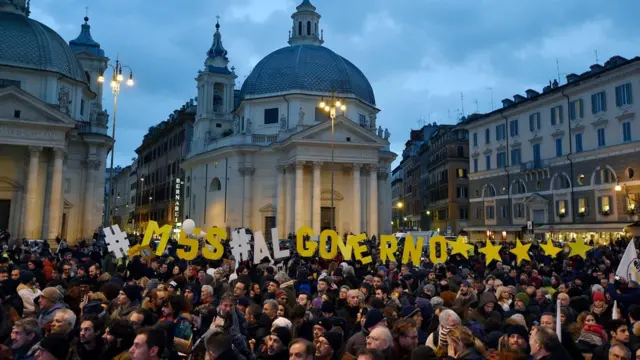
550 250
521 252
460 247
579 248
491 252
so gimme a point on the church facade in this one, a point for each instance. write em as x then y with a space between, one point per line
53 131
265 156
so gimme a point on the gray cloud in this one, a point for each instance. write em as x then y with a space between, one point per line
418 55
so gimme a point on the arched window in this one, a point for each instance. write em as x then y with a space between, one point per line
489 191
518 187
300 28
215 185
561 182
308 28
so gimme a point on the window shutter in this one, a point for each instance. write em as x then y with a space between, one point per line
604 101
553 116
538 120
618 96
629 96
531 128
581 108
593 103
560 115
610 204
599 204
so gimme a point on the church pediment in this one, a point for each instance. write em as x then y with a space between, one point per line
326 195
269 208
536 199
7 184
17 105
345 131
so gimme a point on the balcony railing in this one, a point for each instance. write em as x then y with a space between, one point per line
534 165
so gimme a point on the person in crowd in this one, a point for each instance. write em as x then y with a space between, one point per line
149 344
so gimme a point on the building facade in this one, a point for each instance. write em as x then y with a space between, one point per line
397 197
53 132
445 164
159 176
411 206
122 205
268 159
564 159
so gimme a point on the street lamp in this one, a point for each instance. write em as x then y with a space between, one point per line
116 80
331 106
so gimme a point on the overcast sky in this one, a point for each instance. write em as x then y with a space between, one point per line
419 55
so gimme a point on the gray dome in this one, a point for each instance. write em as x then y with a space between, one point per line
307 68
26 43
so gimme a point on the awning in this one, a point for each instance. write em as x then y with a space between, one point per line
494 228
604 227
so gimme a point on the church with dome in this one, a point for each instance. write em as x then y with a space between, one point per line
53 131
264 156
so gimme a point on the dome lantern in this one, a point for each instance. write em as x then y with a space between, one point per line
85 42
306 23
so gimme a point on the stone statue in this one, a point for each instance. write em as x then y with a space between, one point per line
372 120
380 131
236 125
248 126
387 134
283 122
93 113
300 116
64 99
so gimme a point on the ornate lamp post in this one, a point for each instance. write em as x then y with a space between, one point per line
116 80
331 106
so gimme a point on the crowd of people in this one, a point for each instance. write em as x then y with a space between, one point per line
81 302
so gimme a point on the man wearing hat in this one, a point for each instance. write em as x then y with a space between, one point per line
465 295
373 319
53 347
49 301
320 327
278 344
128 300
328 346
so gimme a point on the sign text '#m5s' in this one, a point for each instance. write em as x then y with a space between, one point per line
354 247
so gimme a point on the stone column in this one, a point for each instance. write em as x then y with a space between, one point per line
373 201
290 210
55 203
247 173
89 196
299 208
281 205
357 202
317 202
30 214
384 202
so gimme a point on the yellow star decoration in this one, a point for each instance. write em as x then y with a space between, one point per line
579 248
491 252
460 247
550 250
521 252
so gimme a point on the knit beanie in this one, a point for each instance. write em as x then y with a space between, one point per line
374 316
334 339
283 334
133 292
55 344
598 296
523 297
517 329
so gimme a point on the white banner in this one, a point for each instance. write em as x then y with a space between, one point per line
629 267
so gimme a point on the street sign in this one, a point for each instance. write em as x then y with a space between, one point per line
529 225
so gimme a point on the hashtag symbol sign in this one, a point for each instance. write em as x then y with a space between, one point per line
116 240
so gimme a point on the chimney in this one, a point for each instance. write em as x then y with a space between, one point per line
518 98
614 61
531 93
546 89
596 68
507 103
572 77
555 84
